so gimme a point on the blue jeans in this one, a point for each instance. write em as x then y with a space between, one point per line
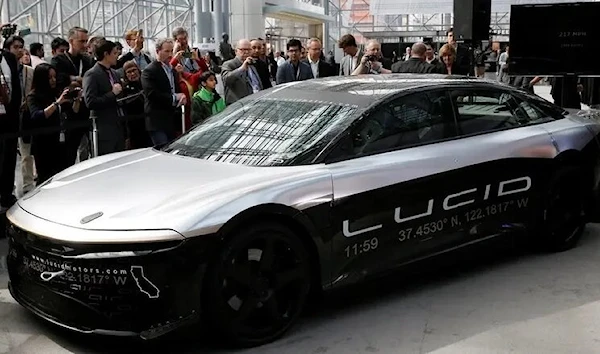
160 137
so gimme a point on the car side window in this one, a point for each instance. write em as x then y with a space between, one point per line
481 111
407 121
533 112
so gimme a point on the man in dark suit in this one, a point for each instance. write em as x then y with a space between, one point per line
240 77
163 99
294 69
10 103
416 63
101 88
261 66
319 66
70 68
463 55
431 59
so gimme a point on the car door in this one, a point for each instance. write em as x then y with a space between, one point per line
506 157
389 178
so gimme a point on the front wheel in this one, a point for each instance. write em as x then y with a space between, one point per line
564 213
258 286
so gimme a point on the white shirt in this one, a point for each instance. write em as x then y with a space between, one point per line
35 61
314 65
7 76
355 61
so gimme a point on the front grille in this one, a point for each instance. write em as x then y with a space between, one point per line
59 307
123 294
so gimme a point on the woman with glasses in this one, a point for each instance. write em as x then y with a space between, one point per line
133 105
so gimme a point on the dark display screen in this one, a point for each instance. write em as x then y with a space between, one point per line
554 39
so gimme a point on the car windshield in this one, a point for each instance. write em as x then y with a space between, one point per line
266 132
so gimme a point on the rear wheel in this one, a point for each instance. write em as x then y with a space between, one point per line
564 214
258 286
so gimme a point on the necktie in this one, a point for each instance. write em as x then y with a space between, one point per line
254 81
113 81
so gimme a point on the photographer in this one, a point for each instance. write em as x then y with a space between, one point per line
135 41
101 87
48 111
371 63
188 57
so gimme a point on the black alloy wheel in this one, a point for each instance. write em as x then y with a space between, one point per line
564 214
259 285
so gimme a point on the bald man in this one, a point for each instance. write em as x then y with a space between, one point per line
240 77
371 63
416 64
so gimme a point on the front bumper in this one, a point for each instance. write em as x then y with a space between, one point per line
141 289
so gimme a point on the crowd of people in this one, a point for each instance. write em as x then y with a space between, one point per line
136 98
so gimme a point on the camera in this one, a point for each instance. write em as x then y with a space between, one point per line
371 58
187 53
73 93
8 30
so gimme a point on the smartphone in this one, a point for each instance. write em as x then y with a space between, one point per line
140 32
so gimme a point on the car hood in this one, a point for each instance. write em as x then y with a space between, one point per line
145 190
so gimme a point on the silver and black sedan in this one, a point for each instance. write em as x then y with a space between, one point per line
305 187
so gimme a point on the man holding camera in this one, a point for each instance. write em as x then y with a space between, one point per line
371 63
240 77
101 88
185 55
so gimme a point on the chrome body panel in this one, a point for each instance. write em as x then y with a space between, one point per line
152 190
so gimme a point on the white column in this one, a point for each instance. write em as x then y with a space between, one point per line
217 20
4 12
247 19
206 32
225 16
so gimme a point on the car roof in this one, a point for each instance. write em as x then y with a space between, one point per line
362 90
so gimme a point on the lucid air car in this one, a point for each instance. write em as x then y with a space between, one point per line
308 186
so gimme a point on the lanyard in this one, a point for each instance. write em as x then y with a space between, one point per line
74 67
23 82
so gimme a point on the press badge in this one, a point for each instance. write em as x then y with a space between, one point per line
62 137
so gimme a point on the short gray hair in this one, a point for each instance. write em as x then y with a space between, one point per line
179 30
162 41
74 30
313 40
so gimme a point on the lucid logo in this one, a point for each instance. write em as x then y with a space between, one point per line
450 202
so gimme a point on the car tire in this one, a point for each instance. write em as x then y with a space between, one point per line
257 287
564 217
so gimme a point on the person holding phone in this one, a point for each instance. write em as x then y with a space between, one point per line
185 55
49 107
135 41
